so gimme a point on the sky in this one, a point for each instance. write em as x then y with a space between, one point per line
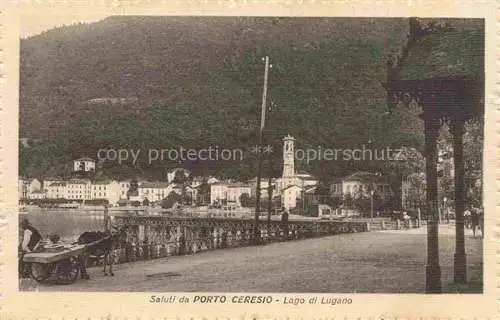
35 24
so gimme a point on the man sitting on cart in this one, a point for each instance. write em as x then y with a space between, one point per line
31 241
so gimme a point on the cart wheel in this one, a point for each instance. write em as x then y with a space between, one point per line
67 271
40 271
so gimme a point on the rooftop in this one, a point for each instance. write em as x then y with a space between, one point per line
363 176
292 186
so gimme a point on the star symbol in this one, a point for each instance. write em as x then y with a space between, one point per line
255 149
268 149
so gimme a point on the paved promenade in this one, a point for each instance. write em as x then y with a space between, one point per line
378 262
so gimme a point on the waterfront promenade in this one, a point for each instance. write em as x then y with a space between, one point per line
390 261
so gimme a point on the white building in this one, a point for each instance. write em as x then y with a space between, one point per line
83 165
289 196
234 192
124 187
78 189
106 190
154 191
361 184
292 182
229 192
57 190
26 188
83 190
218 192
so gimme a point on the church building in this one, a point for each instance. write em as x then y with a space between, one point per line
292 183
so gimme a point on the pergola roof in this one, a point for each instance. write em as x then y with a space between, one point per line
445 54
442 68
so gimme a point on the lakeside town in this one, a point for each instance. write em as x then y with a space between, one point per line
295 191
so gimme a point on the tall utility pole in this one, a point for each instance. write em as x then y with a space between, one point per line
259 157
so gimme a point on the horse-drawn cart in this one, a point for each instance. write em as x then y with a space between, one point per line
61 261
64 264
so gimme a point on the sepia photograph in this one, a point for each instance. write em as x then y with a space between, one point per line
248 154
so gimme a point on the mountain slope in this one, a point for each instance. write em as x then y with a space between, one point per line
196 82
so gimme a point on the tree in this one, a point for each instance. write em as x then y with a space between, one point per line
473 156
334 201
187 198
348 200
133 190
247 201
203 196
171 200
323 188
277 202
180 177
410 166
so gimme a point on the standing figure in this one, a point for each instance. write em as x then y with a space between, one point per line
467 217
474 220
284 223
406 219
31 241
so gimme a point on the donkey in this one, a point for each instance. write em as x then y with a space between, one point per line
110 242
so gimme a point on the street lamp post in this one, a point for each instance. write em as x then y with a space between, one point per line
259 157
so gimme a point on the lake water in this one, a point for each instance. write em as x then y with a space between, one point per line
67 223
71 223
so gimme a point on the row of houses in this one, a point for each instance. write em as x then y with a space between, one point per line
354 186
113 191
229 191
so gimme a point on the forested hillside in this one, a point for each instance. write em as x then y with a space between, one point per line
195 82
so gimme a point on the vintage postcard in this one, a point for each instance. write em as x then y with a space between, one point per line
249 160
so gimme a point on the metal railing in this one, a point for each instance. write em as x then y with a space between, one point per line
159 237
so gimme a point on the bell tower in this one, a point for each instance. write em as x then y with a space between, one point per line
288 160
